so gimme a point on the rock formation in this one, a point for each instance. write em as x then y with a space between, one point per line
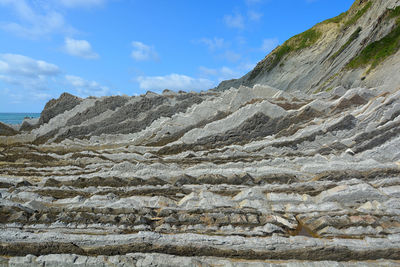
6 130
246 176
249 173
357 48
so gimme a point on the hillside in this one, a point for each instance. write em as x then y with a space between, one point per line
359 47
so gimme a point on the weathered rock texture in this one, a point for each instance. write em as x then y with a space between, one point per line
358 48
234 178
6 130
250 176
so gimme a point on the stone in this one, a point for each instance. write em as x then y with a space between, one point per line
351 194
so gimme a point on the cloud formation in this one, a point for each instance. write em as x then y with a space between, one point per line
85 88
79 48
19 65
143 52
33 23
26 72
173 82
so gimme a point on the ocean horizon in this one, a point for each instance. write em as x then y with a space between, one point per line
16 117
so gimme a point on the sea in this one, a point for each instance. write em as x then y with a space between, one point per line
16 118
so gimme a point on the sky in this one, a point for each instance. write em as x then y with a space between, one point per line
116 47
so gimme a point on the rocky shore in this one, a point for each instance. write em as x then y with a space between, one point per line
245 177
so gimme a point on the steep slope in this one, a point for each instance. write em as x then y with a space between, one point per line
357 48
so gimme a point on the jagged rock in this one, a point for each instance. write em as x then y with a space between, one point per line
57 106
6 130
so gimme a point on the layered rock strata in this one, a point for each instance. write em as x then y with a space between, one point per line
238 177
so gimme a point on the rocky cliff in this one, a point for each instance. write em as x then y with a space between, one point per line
231 178
357 48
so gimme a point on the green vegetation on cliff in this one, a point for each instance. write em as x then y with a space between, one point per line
336 19
344 17
296 43
353 37
358 15
378 51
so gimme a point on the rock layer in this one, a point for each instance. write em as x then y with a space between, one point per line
246 175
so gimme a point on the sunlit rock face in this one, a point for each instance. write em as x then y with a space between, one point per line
358 48
233 178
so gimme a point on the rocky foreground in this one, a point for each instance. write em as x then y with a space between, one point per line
245 177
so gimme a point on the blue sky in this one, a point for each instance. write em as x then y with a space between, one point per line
108 47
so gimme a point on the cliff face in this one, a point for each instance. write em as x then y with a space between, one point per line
357 48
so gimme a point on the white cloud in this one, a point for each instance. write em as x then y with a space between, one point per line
86 88
269 44
254 15
143 52
214 43
81 3
234 21
28 79
79 48
173 82
34 22
14 66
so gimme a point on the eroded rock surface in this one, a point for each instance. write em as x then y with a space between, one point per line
235 178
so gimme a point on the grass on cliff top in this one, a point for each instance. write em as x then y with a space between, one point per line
296 43
354 18
311 36
358 15
378 51
336 19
